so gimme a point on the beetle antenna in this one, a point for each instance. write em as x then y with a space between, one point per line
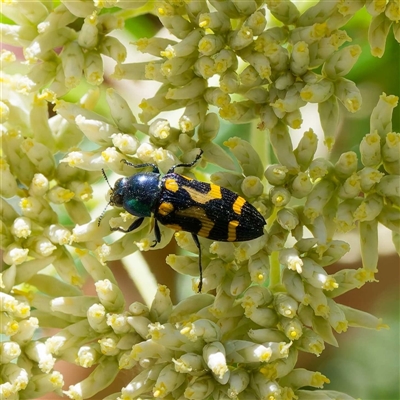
102 214
105 177
105 208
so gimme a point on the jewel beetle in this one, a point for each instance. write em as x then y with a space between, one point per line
185 204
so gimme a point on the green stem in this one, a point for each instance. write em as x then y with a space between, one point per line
275 270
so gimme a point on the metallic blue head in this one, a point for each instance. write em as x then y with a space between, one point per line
137 194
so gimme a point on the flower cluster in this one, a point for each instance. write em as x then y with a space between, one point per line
263 301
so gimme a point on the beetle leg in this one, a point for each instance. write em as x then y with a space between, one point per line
133 226
157 234
196 241
154 166
172 169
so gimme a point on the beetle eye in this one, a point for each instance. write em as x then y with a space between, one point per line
116 200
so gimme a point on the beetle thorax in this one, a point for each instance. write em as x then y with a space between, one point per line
139 193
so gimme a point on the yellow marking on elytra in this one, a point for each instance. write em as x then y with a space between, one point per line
215 191
186 177
203 198
165 208
238 204
232 230
174 226
199 214
195 195
171 185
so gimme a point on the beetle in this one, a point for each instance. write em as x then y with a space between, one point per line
185 204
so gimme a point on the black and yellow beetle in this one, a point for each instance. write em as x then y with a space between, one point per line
184 204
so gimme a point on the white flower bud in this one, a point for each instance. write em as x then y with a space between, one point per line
58 234
301 186
285 305
348 93
318 198
276 174
42 246
88 35
200 388
344 216
210 44
21 227
300 58
294 285
279 196
282 144
202 328
146 152
346 165
15 255
391 148
88 356
112 47
249 77
60 195
108 346
309 33
317 276
39 185
369 177
377 34
317 92
96 316
8 187
336 318
27 329
188 362
261 64
190 118
311 342
392 11
252 187
361 319
37 351
93 68
351 188
15 379
214 356
389 187
9 351
287 218
370 149
341 62
329 117
168 380
259 268
303 378
369 209
109 295
242 351
240 38
193 89
100 378
292 328
96 131
40 155
317 299
72 59
121 113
